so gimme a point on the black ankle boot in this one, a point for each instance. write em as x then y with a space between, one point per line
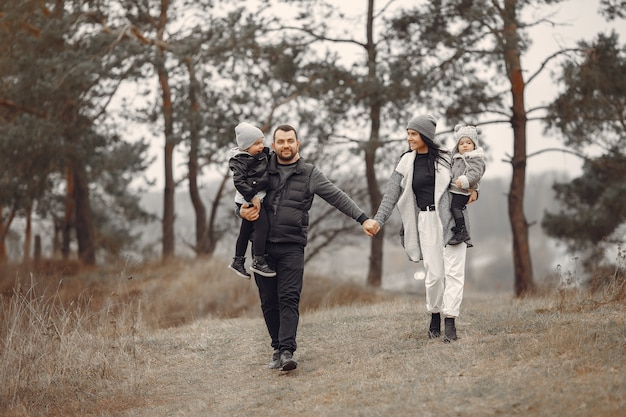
460 235
450 330
434 330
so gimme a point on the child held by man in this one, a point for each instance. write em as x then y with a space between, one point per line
248 164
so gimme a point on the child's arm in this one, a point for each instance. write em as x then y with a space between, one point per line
240 175
473 174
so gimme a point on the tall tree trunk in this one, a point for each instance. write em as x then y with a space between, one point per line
170 142
69 212
212 235
519 225
84 225
28 233
194 137
4 232
375 271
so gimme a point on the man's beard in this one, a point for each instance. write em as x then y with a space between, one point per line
283 159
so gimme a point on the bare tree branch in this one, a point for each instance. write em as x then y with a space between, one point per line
550 58
564 150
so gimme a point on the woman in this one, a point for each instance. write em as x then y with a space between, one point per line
419 186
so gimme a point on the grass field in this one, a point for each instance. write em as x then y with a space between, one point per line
187 339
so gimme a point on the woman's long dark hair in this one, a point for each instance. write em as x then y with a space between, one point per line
435 152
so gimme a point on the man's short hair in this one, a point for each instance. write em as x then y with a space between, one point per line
285 128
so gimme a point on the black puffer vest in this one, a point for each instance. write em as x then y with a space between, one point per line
288 208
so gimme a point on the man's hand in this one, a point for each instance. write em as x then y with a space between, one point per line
370 227
256 202
249 213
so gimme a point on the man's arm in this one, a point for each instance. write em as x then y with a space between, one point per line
334 196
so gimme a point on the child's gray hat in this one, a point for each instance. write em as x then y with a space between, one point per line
424 125
246 134
472 132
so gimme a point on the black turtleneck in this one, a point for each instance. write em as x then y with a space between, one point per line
423 181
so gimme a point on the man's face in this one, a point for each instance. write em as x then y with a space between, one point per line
286 146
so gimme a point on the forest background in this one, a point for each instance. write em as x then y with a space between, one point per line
90 89
115 297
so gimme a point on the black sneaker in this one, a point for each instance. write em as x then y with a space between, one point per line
260 266
239 267
450 330
434 329
287 363
275 363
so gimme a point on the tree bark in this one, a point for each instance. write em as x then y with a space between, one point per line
84 226
201 246
375 271
212 235
4 231
170 142
519 225
28 233
69 212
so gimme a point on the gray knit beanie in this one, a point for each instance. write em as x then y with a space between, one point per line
246 135
472 132
424 125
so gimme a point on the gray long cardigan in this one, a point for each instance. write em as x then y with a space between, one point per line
399 191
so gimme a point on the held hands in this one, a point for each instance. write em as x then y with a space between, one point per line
458 183
370 227
256 202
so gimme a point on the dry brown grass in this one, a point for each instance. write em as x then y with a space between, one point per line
160 344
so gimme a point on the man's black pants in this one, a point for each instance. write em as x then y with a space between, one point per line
280 295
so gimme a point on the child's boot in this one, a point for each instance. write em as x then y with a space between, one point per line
260 266
239 267
460 235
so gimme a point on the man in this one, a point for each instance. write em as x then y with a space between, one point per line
293 185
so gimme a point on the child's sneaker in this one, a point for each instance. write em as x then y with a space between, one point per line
239 267
260 266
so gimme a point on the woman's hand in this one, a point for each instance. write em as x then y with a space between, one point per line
473 197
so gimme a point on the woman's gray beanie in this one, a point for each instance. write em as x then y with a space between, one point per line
425 125
246 135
